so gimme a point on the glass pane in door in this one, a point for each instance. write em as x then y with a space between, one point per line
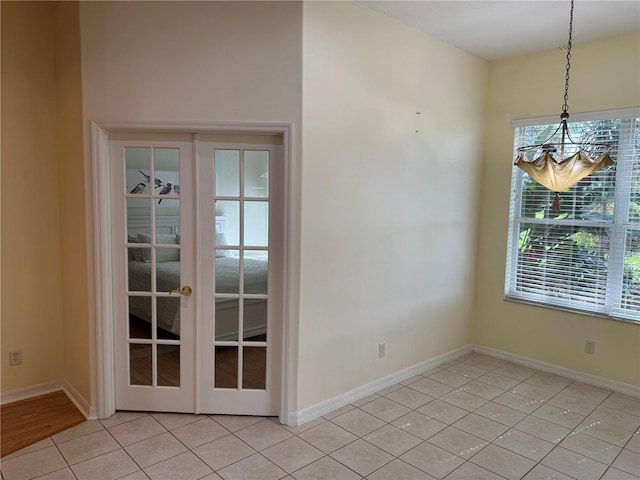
137 178
168 315
256 271
229 211
241 269
227 317
138 218
254 368
140 364
256 224
140 320
256 173
139 276
228 273
167 269
227 173
255 319
167 187
169 365
226 367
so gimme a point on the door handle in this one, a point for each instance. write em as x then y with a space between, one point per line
186 291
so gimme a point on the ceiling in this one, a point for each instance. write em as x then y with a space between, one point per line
495 30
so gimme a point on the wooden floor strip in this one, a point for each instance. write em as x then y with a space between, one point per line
28 421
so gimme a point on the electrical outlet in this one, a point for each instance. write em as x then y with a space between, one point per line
589 347
382 349
15 358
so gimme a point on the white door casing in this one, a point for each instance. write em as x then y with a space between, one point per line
105 184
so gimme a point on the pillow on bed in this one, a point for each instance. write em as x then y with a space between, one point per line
221 240
162 254
135 254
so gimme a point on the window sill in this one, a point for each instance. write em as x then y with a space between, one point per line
516 299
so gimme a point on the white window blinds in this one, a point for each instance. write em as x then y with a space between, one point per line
585 257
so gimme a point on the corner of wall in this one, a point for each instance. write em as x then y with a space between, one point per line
71 199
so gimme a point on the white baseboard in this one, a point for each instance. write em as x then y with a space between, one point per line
50 387
595 380
29 392
79 401
322 408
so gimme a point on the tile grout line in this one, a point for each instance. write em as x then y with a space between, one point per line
530 414
571 432
411 409
122 447
65 460
539 462
622 449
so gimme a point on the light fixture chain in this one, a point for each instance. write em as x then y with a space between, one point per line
567 143
565 106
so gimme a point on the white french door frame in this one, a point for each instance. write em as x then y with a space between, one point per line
103 256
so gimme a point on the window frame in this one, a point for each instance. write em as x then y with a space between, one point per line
619 226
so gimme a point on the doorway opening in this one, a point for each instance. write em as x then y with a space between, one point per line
191 267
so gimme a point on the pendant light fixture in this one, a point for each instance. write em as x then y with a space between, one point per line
575 159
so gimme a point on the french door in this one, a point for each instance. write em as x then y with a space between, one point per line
198 277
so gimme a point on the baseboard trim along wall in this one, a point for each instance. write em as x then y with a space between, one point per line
327 406
89 412
595 380
30 392
50 387
322 408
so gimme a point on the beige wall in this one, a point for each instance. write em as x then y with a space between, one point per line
73 252
384 241
604 75
388 214
32 312
192 61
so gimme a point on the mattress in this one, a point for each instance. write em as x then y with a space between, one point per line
168 279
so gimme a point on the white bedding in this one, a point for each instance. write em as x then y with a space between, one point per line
168 279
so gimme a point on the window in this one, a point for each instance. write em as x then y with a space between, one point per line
585 257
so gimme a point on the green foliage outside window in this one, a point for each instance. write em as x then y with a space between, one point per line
566 253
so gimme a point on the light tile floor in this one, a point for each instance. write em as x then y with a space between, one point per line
473 418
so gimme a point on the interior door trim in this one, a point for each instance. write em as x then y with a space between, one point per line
101 196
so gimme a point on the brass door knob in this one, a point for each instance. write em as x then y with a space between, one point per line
186 291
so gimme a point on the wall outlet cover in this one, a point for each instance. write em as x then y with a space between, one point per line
589 346
15 358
